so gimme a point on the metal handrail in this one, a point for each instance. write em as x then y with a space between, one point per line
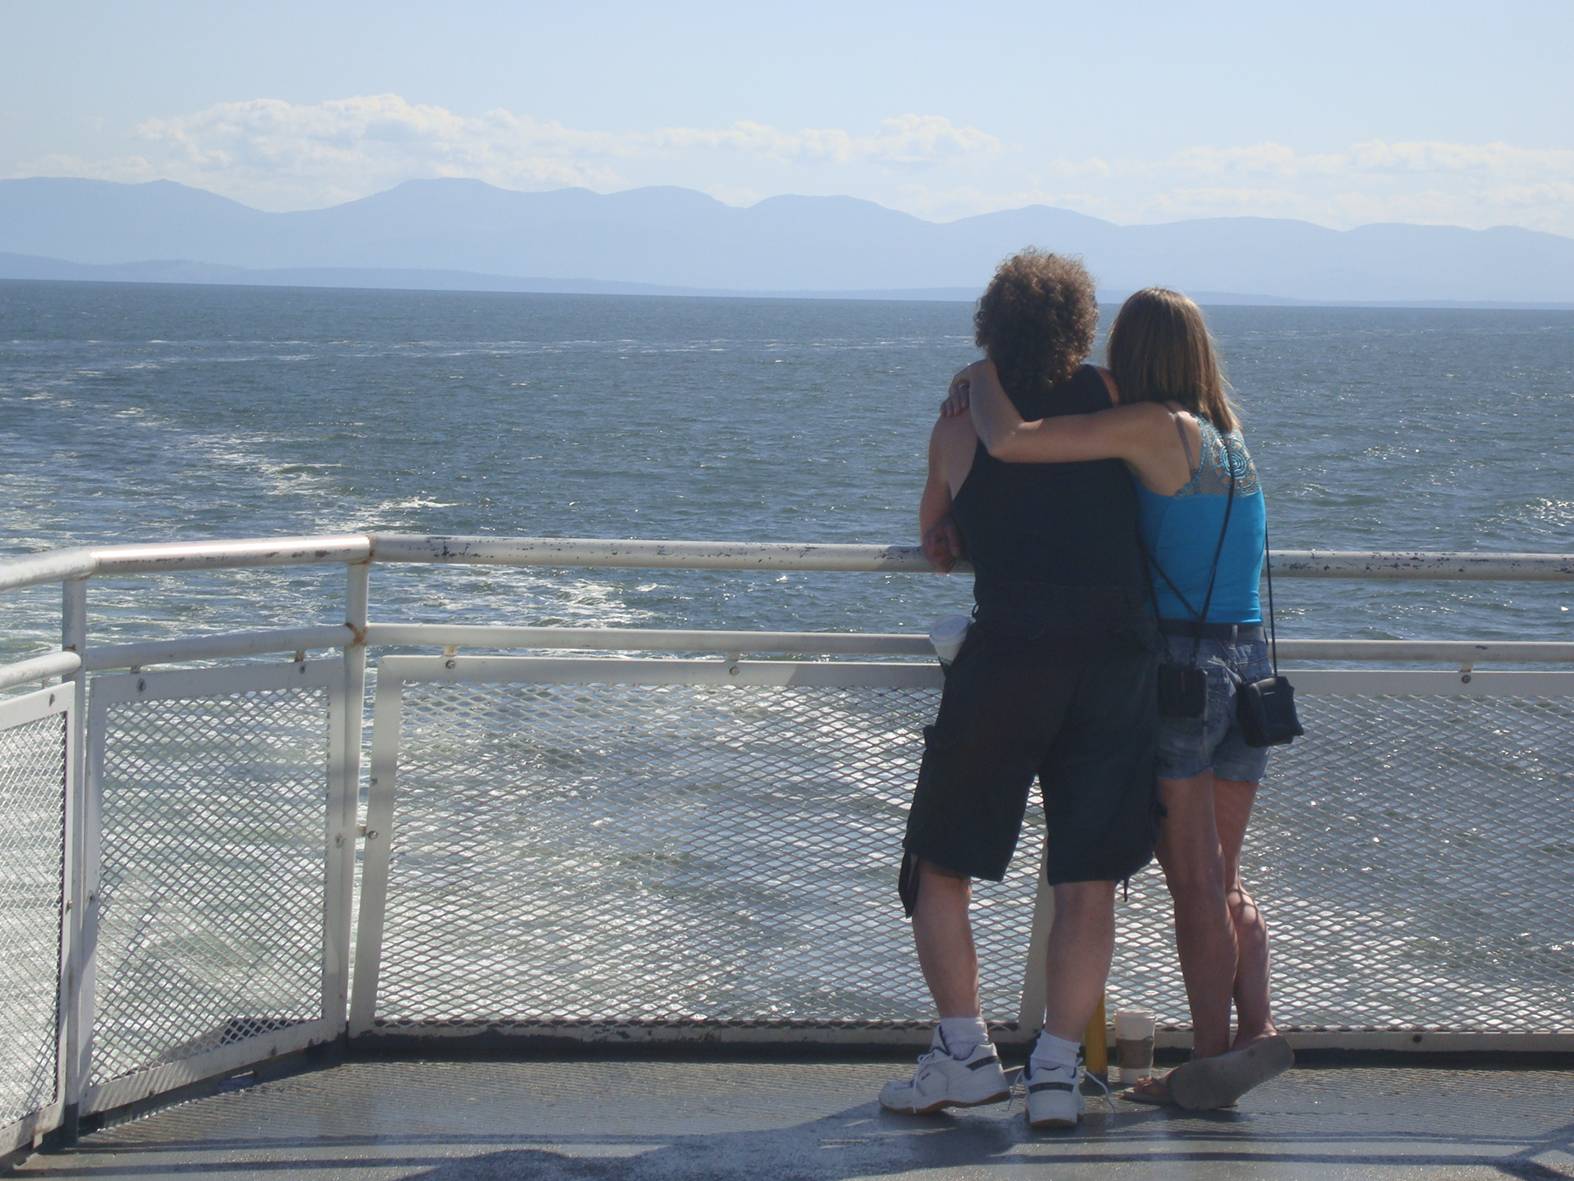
74 567
1463 654
39 668
171 557
285 639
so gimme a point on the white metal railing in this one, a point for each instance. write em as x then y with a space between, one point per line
61 565
73 568
141 748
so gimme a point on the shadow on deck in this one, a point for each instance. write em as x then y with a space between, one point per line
633 1120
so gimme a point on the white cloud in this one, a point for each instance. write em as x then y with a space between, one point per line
280 154
283 155
905 139
128 169
1095 166
1474 185
1499 159
1265 159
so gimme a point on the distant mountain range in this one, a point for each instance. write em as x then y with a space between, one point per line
461 234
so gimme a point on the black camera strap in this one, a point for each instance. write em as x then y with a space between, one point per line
1199 618
1273 635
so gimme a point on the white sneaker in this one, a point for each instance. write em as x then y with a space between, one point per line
942 1081
1054 1094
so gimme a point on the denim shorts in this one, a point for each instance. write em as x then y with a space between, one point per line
1190 746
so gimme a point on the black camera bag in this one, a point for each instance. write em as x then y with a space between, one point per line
1265 709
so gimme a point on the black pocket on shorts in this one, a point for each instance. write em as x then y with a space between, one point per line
907 883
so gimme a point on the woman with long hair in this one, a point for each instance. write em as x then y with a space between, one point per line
1203 523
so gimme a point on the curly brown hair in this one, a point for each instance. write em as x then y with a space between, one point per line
1036 319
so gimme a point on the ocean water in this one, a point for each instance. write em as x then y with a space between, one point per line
147 413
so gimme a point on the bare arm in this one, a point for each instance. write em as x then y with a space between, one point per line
1123 432
940 538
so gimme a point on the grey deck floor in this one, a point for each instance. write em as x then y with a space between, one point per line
636 1120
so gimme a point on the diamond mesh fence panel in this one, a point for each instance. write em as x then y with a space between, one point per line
1415 865
567 854
214 814
32 860
1414 860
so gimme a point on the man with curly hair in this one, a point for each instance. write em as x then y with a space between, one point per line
1055 679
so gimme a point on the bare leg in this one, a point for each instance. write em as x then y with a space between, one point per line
1081 943
1189 850
1233 807
944 936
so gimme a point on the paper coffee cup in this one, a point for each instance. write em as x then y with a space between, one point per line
1134 1044
946 637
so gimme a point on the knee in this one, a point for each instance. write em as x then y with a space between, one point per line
1195 877
1084 899
944 881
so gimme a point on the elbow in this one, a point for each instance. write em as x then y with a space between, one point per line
1009 448
994 441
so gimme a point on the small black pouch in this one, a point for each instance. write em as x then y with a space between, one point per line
1183 690
1265 710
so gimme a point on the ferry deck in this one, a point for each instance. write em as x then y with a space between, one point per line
540 909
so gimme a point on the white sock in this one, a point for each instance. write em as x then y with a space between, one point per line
963 1034
1051 1052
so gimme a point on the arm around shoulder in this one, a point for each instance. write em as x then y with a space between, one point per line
1127 432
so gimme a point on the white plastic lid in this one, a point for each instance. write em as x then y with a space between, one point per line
950 630
1133 1024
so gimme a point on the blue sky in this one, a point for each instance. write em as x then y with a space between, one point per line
1338 113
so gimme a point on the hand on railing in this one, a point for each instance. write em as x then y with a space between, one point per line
942 545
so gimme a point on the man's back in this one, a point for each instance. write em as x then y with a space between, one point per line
1054 542
1055 681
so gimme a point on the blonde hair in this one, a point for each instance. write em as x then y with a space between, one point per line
1160 351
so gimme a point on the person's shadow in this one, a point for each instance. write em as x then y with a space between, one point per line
859 1141
863 1141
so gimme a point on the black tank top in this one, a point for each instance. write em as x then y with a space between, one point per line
1054 545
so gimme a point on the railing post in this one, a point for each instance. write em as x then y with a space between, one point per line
345 782
1035 977
79 914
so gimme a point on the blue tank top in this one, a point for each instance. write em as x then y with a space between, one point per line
1182 532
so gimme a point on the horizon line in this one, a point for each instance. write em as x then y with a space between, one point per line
576 287
422 180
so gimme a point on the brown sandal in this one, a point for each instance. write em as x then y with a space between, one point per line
1204 1084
